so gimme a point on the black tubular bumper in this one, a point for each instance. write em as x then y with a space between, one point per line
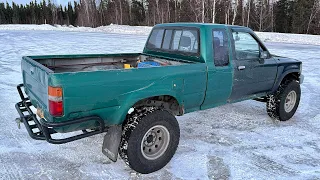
42 130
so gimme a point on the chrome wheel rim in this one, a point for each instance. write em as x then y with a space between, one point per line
290 101
155 142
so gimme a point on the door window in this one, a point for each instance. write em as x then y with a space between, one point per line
220 48
246 47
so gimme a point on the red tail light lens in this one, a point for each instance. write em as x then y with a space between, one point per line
55 108
55 101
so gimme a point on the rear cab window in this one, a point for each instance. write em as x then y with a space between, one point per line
175 40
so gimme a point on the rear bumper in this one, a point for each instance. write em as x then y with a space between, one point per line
40 129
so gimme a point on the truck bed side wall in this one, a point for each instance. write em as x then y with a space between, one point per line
110 94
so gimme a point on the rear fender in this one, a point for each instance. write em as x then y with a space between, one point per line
128 102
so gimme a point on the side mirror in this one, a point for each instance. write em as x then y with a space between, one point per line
264 55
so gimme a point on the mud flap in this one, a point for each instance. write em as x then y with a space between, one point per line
111 142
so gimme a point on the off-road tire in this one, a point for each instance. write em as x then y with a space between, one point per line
134 129
276 101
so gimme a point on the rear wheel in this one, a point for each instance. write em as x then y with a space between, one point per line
149 140
284 102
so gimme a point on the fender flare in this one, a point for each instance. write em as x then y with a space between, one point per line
283 75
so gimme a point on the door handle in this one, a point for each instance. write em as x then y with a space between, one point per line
241 67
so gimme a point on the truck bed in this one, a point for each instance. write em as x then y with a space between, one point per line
101 84
76 64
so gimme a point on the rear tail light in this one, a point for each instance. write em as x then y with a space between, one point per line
55 101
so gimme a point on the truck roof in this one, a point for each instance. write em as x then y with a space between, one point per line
198 25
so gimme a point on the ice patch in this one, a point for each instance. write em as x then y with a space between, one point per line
182 165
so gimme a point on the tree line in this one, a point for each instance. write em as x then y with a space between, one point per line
287 16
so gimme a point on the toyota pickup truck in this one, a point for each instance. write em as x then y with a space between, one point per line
135 97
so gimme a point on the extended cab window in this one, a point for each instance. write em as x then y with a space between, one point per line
220 48
246 47
177 40
156 38
167 39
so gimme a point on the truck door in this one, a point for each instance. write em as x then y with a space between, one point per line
254 68
219 82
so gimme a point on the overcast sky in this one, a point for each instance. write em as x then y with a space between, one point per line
63 2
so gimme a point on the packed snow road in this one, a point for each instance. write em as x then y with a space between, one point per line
236 141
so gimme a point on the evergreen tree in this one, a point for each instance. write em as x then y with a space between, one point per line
137 13
300 14
283 16
8 14
15 14
2 14
71 14
49 13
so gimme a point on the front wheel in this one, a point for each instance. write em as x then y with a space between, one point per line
149 140
284 102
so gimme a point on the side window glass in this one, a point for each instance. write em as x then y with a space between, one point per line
167 39
156 38
189 41
246 47
220 48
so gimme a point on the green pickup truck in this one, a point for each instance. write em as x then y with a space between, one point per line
134 98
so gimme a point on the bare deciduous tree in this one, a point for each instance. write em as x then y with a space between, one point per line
314 11
214 10
248 14
235 11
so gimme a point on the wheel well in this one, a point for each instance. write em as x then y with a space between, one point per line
291 76
167 102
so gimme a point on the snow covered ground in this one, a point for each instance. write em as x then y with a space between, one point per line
144 30
237 141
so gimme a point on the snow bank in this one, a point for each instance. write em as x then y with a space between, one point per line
144 30
289 38
122 29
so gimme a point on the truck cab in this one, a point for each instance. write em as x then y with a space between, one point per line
239 66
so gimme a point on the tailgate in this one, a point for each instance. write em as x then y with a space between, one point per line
35 80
